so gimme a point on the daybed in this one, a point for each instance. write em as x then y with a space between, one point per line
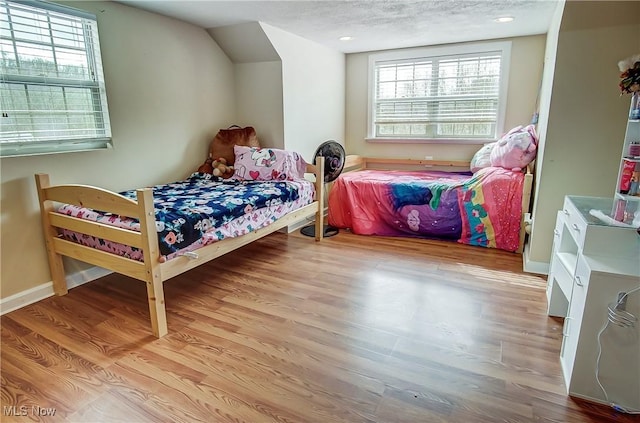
151 265
485 208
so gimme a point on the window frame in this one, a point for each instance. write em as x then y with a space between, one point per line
94 83
440 52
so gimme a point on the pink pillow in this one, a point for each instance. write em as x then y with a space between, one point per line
267 164
516 149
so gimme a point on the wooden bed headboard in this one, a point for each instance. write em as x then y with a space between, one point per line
356 162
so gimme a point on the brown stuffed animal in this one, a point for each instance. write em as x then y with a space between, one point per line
220 168
206 167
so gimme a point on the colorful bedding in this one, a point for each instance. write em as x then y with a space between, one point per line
481 209
200 210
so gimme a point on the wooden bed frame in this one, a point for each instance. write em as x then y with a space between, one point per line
355 162
152 270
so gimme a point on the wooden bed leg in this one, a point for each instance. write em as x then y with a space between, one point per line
157 311
56 266
155 289
526 200
520 249
320 198
58 275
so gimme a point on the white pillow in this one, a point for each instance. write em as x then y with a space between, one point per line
482 158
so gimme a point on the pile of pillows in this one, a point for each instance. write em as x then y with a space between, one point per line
238 149
514 151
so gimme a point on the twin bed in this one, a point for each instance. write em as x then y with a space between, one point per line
485 208
154 234
154 239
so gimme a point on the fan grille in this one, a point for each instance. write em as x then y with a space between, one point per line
334 157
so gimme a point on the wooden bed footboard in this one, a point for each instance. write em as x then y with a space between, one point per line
152 270
356 162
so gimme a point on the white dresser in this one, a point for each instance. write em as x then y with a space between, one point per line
592 262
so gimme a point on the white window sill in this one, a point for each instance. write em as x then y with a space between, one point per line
466 141
38 148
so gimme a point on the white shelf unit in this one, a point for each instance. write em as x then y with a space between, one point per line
592 263
632 134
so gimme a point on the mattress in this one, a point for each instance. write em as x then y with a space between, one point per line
199 211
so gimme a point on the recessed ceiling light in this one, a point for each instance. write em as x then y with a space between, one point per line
504 19
346 38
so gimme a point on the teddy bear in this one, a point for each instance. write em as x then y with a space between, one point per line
217 167
220 168
206 166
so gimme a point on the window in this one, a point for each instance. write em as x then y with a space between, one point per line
51 82
443 93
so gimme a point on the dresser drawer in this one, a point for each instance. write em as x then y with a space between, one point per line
581 278
560 221
561 276
576 225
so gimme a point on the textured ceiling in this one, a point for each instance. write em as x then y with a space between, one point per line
374 24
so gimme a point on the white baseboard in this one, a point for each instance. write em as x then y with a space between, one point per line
530 266
45 290
84 276
26 297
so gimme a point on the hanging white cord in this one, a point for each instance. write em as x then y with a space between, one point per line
626 322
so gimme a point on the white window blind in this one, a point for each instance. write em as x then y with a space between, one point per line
438 97
51 81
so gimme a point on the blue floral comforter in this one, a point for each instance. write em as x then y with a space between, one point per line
186 210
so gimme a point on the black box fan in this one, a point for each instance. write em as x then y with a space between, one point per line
334 157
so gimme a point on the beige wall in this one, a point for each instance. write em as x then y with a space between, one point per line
524 80
584 132
258 75
259 100
289 88
169 86
546 88
313 87
245 43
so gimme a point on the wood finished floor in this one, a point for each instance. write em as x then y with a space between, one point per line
353 329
